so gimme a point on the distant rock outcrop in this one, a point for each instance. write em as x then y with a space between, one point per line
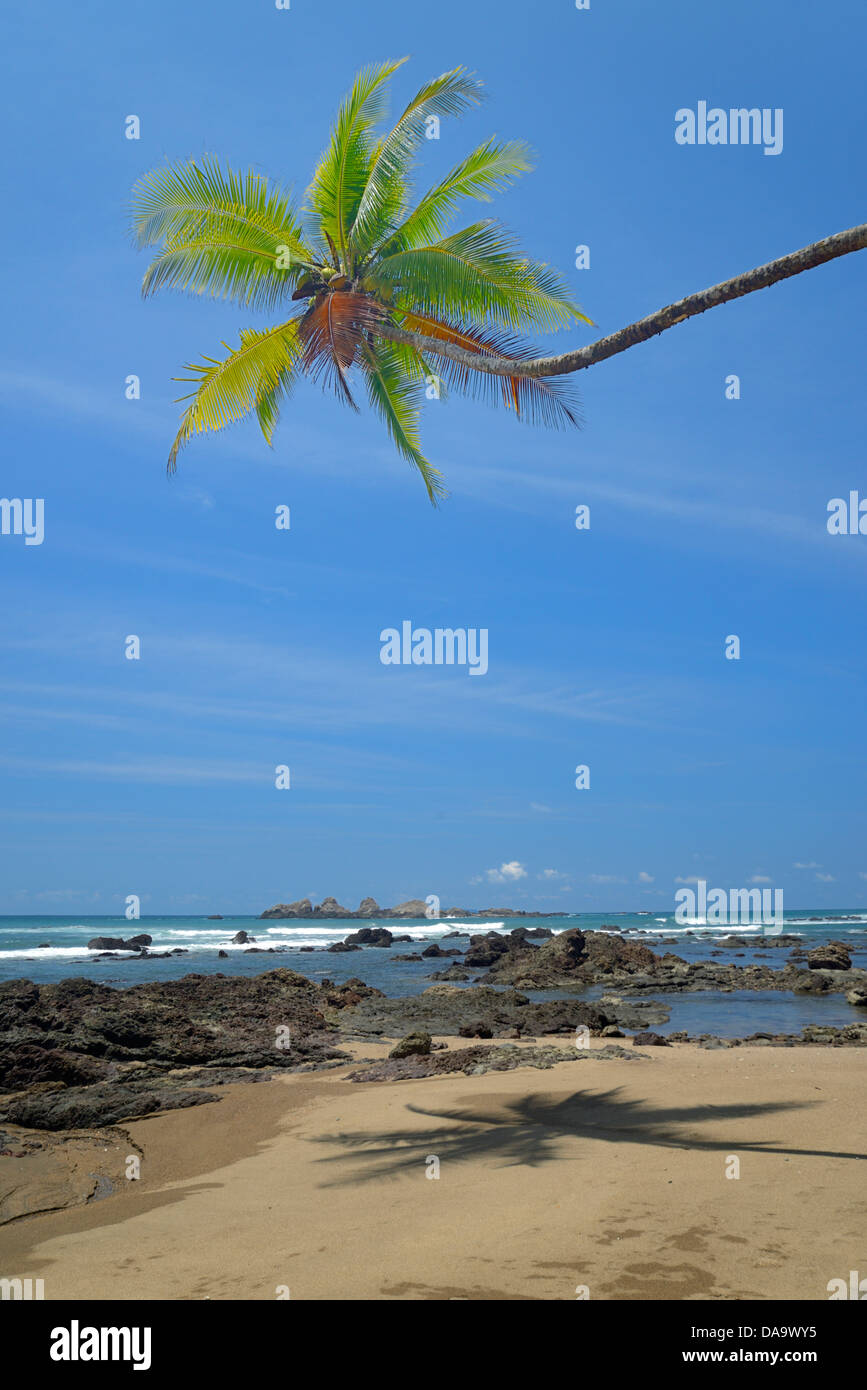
413 907
330 907
302 908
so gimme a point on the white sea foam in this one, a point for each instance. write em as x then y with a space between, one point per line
53 952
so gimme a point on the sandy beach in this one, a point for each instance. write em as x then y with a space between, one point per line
609 1176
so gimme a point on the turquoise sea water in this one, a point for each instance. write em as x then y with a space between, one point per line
46 949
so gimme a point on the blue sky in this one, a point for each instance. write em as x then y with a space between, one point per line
261 647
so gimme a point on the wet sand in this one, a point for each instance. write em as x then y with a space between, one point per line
608 1176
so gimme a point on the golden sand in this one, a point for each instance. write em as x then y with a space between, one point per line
609 1176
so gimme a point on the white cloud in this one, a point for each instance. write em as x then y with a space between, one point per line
760 878
825 878
692 879
646 878
507 873
806 866
606 878
551 873
540 808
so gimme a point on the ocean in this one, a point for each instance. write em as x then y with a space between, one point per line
46 949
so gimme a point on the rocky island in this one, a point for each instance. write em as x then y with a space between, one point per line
369 907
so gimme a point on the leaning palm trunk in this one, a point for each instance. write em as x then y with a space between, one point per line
817 253
376 287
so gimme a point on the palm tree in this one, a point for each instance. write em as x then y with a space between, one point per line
362 260
381 285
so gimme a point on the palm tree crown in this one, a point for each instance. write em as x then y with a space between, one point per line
360 258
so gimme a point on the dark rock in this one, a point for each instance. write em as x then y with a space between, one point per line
444 1009
241 938
222 955
79 1035
834 956
451 972
649 1040
806 983
369 936
475 1061
340 946
413 1045
114 943
487 950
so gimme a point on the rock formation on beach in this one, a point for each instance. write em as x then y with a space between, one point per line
574 959
78 1053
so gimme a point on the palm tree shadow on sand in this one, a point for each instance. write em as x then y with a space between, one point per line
532 1130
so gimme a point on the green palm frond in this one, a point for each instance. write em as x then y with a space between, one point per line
490 169
271 400
222 233
385 194
341 176
256 374
398 400
476 274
